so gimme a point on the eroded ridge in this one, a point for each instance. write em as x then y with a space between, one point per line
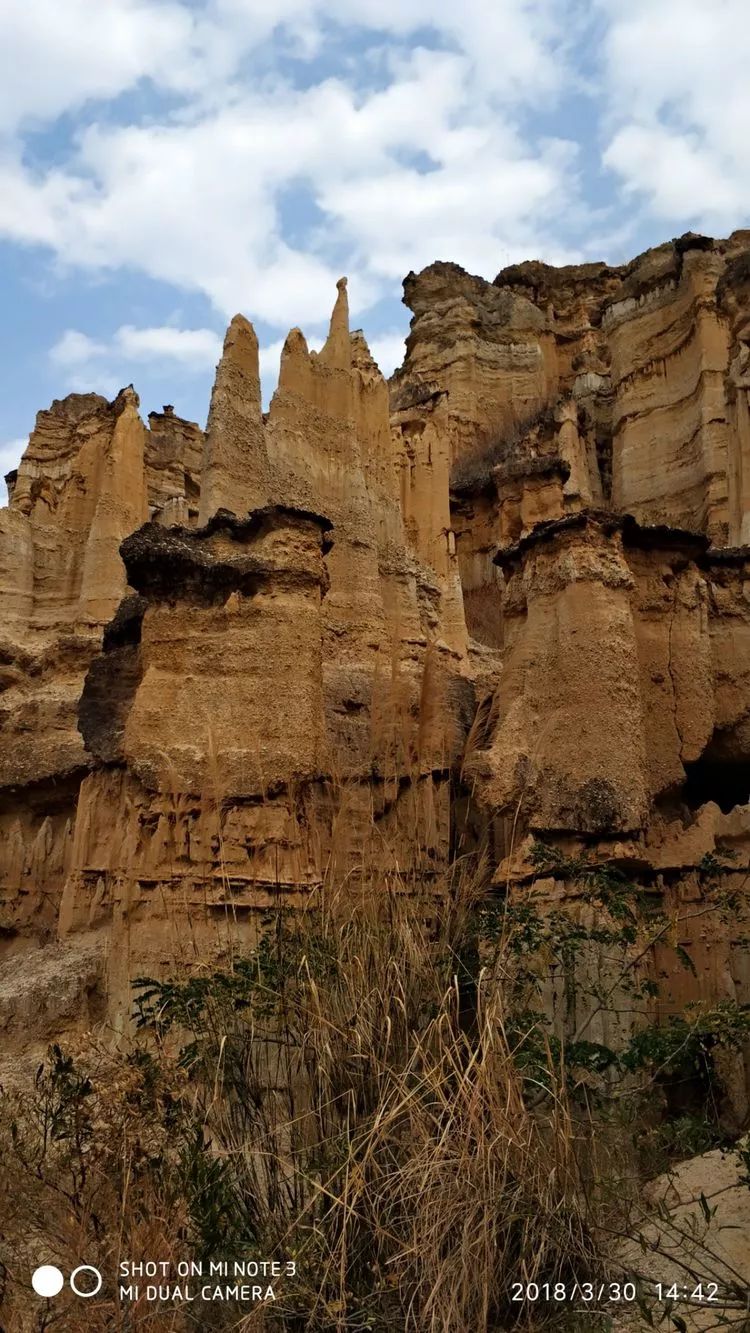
499 600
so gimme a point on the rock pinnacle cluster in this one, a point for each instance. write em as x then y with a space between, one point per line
503 598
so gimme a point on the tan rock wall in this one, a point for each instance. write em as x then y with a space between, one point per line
36 838
570 660
733 295
393 583
642 367
174 457
487 348
625 661
618 731
671 619
670 434
286 689
230 696
84 483
235 469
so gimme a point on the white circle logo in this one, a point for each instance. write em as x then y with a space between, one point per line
47 1280
85 1268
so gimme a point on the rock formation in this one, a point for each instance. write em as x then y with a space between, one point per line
598 505
234 472
91 474
512 584
268 677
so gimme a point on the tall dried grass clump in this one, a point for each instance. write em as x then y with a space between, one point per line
382 1095
348 1097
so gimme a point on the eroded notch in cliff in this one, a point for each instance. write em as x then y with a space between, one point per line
112 681
725 783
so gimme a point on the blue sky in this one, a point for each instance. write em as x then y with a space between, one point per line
166 163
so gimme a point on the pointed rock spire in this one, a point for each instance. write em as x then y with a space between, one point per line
294 372
235 462
336 351
121 506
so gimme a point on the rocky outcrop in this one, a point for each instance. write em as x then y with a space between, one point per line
174 457
733 295
80 489
234 474
632 375
669 357
487 348
91 474
394 597
617 732
596 421
508 589
283 687
694 1221
205 711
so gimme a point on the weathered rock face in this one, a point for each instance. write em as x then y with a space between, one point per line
205 711
248 656
669 357
282 687
633 376
81 489
174 457
331 448
487 348
218 608
90 475
618 732
733 295
606 619
568 400
234 474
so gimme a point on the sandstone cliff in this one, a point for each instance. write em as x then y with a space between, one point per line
285 683
502 599
91 474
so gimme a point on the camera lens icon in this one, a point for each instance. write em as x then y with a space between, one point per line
87 1289
48 1281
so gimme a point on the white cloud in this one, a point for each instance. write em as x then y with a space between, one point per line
197 204
196 348
417 148
203 147
680 174
193 348
516 47
58 56
388 349
95 365
193 196
679 105
468 210
76 349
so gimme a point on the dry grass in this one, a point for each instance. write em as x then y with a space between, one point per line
344 1105
354 1094
472 472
